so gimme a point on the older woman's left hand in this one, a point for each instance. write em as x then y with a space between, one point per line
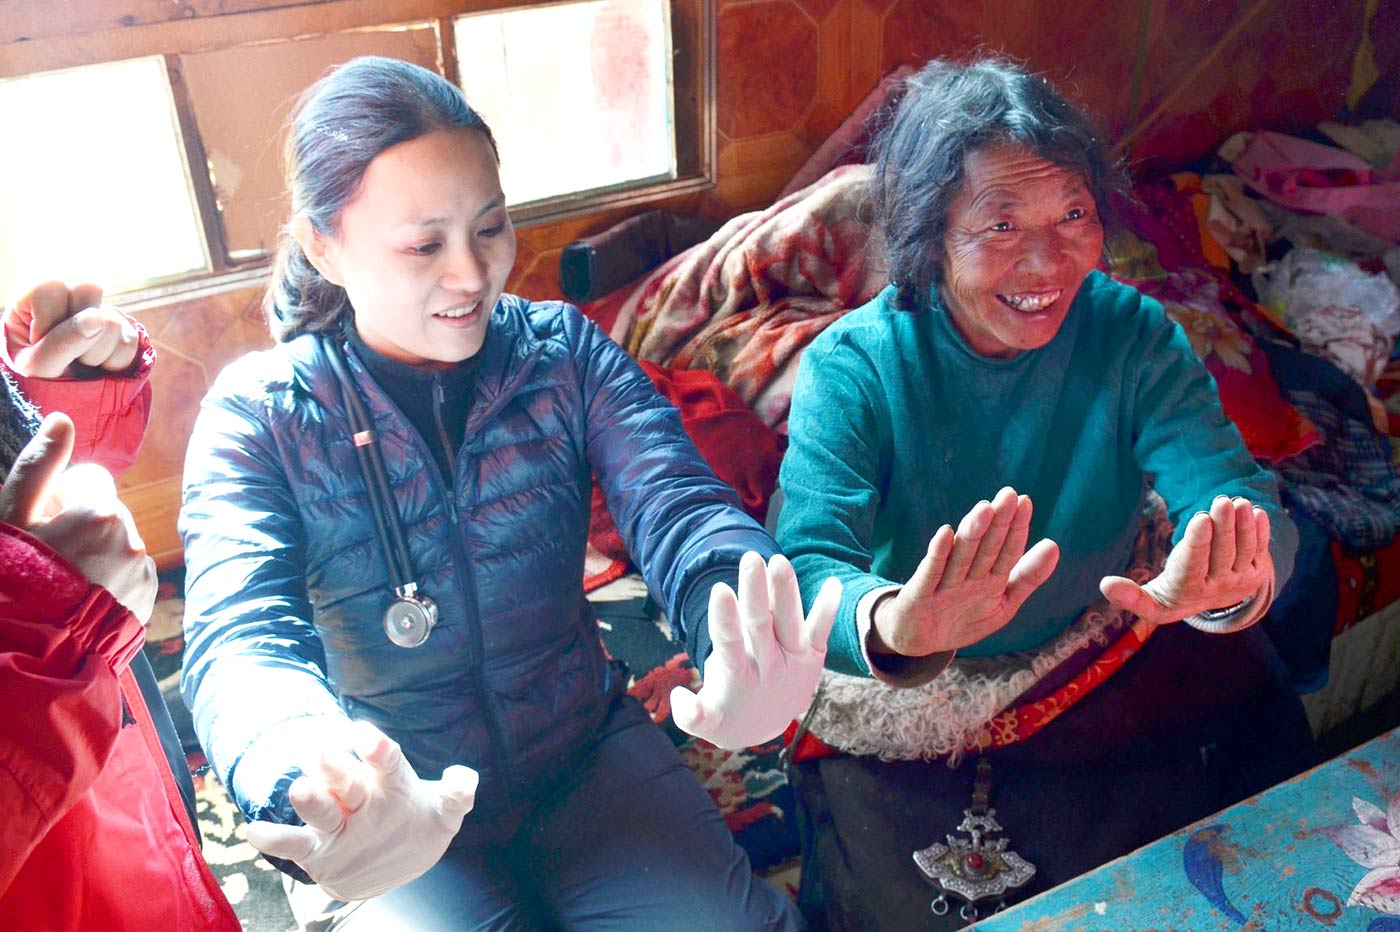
1221 560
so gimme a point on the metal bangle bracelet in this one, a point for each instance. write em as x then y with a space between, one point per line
1216 614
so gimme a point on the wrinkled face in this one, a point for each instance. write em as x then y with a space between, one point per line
1022 234
423 249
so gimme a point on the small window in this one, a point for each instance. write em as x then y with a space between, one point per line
578 95
242 97
157 174
93 182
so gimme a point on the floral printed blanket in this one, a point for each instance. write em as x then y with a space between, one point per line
747 301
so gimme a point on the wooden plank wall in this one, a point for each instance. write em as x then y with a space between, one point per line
1168 81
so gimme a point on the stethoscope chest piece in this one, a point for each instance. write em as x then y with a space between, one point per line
410 618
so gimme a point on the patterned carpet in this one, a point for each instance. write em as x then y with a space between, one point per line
747 786
252 885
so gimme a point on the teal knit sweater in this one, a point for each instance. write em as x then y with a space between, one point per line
897 427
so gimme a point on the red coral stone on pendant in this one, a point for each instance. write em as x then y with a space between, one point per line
975 861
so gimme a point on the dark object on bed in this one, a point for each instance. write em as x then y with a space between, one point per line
1303 616
596 265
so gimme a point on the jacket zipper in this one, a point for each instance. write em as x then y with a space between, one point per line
439 400
475 647
478 649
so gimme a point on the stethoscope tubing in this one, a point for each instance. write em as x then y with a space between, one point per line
375 473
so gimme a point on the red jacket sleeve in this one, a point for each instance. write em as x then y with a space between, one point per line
109 413
63 643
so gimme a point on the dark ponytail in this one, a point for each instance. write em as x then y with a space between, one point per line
299 299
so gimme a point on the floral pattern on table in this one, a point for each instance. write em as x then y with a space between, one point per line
1319 851
1374 844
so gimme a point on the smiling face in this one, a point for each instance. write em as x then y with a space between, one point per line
423 249
1022 234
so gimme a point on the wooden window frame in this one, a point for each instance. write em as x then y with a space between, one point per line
48 35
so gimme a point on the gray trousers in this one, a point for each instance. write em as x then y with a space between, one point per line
630 841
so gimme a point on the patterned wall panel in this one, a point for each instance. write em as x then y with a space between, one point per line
769 74
194 340
916 30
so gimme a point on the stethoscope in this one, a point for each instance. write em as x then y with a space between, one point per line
410 617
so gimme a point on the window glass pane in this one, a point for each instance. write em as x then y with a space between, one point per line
92 179
577 94
242 97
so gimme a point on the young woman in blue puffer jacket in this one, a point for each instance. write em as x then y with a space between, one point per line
473 420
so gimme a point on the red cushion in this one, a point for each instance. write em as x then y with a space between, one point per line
742 450
1209 307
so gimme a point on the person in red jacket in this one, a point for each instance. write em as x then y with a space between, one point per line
97 833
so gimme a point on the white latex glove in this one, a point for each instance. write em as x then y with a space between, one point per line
767 658
371 824
75 510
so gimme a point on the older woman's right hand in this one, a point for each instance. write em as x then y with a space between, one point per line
969 584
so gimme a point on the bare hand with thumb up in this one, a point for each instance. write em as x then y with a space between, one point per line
76 512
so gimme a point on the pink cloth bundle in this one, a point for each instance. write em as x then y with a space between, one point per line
1318 179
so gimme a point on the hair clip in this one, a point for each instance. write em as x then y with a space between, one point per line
339 135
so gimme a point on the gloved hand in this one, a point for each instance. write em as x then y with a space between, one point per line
75 510
371 824
767 658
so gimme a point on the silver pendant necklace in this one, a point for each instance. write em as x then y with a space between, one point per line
974 869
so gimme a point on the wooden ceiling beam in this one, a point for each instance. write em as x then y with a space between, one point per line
64 37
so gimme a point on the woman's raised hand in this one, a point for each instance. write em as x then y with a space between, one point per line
767 656
1221 560
970 583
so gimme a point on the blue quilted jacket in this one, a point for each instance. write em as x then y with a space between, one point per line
286 582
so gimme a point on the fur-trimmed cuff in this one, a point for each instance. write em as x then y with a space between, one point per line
893 669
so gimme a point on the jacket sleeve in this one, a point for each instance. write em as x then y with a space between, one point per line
254 673
110 413
1182 437
63 644
684 528
833 478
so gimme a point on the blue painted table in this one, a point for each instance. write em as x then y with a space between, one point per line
1319 852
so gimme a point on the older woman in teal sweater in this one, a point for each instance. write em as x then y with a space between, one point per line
999 390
